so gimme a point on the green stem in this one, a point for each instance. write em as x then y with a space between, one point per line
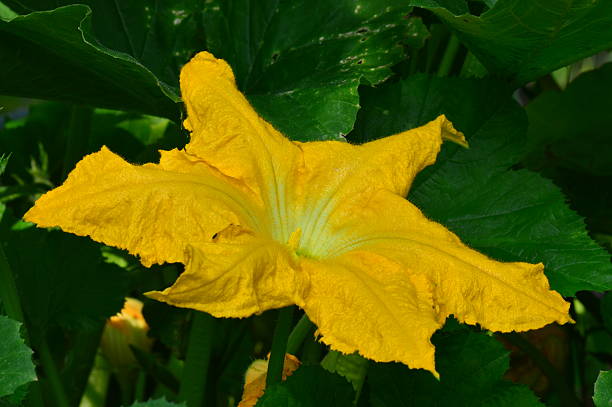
81 359
77 136
438 32
303 328
279 346
126 385
52 374
97 384
195 370
557 380
413 61
141 384
449 56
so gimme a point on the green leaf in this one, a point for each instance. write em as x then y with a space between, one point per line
305 59
471 366
233 349
603 390
525 39
16 367
509 215
64 278
166 323
571 128
393 384
134 136
38 144
77 67
157 403
353 367
309 386
18 398
31 140
569 142
161 35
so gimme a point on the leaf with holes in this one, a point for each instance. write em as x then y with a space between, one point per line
305 59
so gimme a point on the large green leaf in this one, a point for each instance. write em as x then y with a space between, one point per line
570 141
63 278
67 293
471 366
509 215
309 386
571 128
162 35
525 39
300 62
16 367
55 55
353 367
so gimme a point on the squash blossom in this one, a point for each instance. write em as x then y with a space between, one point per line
262 222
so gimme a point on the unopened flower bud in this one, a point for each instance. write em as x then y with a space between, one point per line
126 328
255 379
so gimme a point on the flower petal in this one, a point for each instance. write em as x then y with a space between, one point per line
341 172
237 275
364 302
153 210
477 290
225 129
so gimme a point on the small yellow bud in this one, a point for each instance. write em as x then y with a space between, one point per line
255 379
122 330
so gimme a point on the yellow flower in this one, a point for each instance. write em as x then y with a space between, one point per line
261 222
126 328
255 379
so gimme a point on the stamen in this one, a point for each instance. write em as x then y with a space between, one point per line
294 239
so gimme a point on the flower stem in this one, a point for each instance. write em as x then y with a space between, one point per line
279 346
53 376
97 384
141 383
195 370
303 328
449 56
